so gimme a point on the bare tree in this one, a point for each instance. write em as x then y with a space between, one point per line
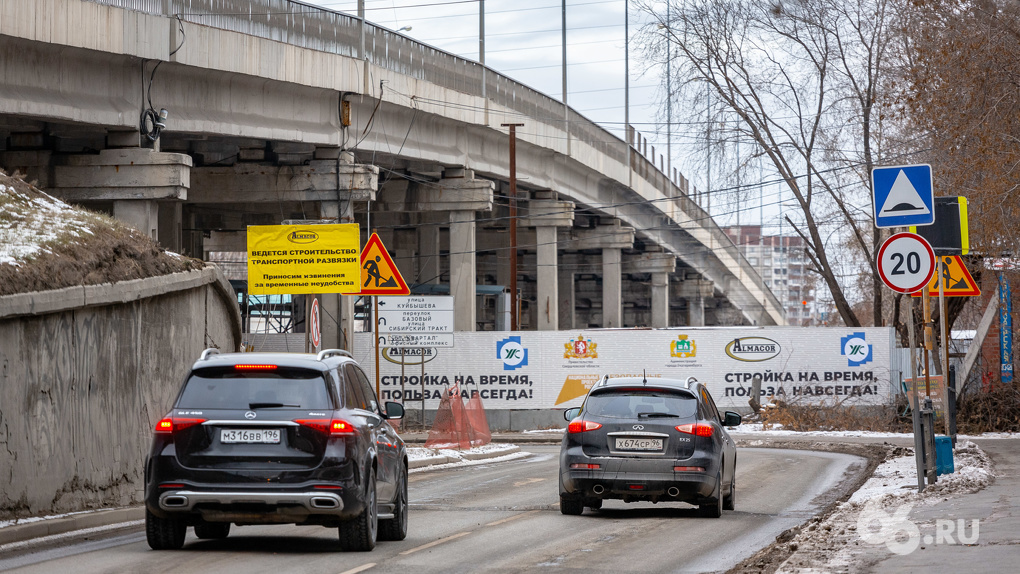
804 78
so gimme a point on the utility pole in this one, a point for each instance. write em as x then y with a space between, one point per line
563 42
626 88
669 100
514 324
481 55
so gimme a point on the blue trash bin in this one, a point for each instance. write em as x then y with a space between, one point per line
943 455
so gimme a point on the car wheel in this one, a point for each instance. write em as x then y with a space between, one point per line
396 528
164 533
714 508
731 498
212 530
594 503
571 506
359 535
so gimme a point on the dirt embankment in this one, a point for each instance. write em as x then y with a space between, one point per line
46 244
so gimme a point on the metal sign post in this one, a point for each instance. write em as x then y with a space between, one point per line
918 442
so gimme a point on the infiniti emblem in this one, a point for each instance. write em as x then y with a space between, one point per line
639 427
250 415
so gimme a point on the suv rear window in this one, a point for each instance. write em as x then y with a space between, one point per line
227 388
629 403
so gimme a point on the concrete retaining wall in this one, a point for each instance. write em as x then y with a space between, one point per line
86 372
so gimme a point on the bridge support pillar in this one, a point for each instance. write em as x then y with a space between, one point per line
548 291
545 213
567 296
463 269
659 264
696 311
612 288
660 300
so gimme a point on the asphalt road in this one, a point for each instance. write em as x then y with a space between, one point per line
499 517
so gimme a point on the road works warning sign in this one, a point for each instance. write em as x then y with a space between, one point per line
304 259
379 275
956 280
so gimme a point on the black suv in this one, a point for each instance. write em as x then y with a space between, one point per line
276 438
641 439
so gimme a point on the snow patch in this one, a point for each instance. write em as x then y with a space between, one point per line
834 543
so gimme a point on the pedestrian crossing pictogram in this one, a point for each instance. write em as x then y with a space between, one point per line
956 280
379 276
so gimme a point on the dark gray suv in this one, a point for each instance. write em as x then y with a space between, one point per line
276 438
648 439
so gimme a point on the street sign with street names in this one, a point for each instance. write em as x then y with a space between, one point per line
906 262
903 195
409 319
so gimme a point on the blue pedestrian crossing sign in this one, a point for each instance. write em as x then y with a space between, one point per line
904 195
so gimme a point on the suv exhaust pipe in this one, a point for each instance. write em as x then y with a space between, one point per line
324 502
598 489
673 491
175 501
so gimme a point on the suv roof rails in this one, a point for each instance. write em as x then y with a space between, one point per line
330 352
689 381
207 352
604 381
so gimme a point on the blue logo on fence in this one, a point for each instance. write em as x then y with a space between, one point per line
856 350
512 353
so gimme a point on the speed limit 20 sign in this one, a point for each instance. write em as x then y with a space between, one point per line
906 262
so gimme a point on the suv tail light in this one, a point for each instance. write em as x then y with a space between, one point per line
255 367
334 427
174 424
577 426
695 429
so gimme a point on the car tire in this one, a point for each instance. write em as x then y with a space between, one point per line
212 530
594 503
164 533
360 534
571 506
396 528
714 508
730 500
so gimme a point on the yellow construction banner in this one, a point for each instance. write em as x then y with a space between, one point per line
304 259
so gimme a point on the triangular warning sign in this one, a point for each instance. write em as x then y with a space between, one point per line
903 199
379 276
956 280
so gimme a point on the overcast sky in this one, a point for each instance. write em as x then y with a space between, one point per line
523 41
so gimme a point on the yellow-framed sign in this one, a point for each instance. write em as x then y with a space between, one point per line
304 259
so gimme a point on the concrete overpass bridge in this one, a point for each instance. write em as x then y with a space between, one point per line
283 111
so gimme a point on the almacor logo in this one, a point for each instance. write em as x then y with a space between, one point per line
752 349
303 237
512 353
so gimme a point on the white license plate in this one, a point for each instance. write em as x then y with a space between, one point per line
639 444
267 436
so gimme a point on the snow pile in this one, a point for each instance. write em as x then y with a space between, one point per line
842 540
28 224
438 458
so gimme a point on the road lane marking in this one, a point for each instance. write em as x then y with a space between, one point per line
528 481
515 517
361 568
434 543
